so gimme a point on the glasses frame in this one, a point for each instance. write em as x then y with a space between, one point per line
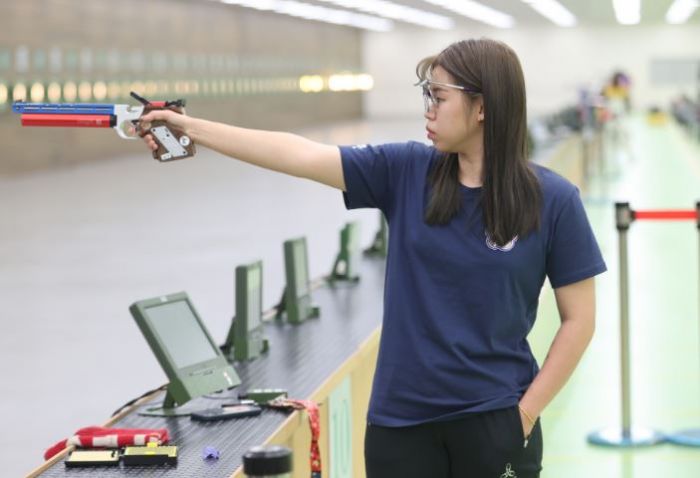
430 101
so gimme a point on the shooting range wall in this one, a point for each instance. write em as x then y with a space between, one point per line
232 64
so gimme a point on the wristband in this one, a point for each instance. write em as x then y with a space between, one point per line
527 415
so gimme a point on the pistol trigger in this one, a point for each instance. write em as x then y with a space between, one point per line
139 129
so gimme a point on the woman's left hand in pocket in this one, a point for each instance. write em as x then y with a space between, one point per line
527 426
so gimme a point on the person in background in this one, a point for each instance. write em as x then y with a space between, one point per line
617 94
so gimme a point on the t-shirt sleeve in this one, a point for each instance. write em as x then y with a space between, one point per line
573 254
371 174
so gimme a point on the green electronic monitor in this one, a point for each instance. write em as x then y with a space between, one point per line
246 339
193 363
296 300
346 266
380 244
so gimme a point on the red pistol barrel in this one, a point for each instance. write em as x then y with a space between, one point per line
68 120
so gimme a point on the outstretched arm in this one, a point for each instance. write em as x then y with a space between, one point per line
283 152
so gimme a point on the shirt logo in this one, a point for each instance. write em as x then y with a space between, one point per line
494 247
509 473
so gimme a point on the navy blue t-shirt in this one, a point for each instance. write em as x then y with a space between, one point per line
458 309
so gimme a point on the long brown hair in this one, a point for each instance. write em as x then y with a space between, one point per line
511 194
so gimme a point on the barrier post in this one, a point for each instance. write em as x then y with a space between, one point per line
691 437
626 435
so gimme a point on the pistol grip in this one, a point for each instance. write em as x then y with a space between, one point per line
172 142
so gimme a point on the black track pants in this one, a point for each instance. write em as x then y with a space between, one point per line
481 445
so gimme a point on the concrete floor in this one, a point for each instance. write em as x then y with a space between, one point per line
78 246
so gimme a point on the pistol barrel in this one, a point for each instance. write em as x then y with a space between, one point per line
63 108
69 120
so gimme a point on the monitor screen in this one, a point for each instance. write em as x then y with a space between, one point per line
178 329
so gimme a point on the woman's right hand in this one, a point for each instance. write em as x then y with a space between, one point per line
175 120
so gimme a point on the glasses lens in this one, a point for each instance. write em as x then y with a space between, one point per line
427 98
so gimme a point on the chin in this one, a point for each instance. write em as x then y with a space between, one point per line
441 148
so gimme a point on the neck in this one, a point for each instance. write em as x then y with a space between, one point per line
471 162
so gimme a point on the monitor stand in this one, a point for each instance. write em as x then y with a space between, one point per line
168 409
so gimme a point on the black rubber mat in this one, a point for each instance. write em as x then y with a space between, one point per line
300 359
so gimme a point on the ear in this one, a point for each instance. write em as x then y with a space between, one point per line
480 115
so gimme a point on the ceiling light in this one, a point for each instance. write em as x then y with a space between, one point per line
476 11
53 93
554 11
314 12
4 93
37 92
311 84
627 12
19 92
681 10
398 12
99 90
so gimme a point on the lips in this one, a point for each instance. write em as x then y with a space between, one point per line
431 133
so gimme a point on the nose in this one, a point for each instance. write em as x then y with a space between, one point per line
429 114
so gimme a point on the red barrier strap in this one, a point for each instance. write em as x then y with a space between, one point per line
314 425
668 215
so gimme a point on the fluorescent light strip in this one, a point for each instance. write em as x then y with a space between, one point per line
313 12
476 11
554 11
681 10
627 12
395 11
